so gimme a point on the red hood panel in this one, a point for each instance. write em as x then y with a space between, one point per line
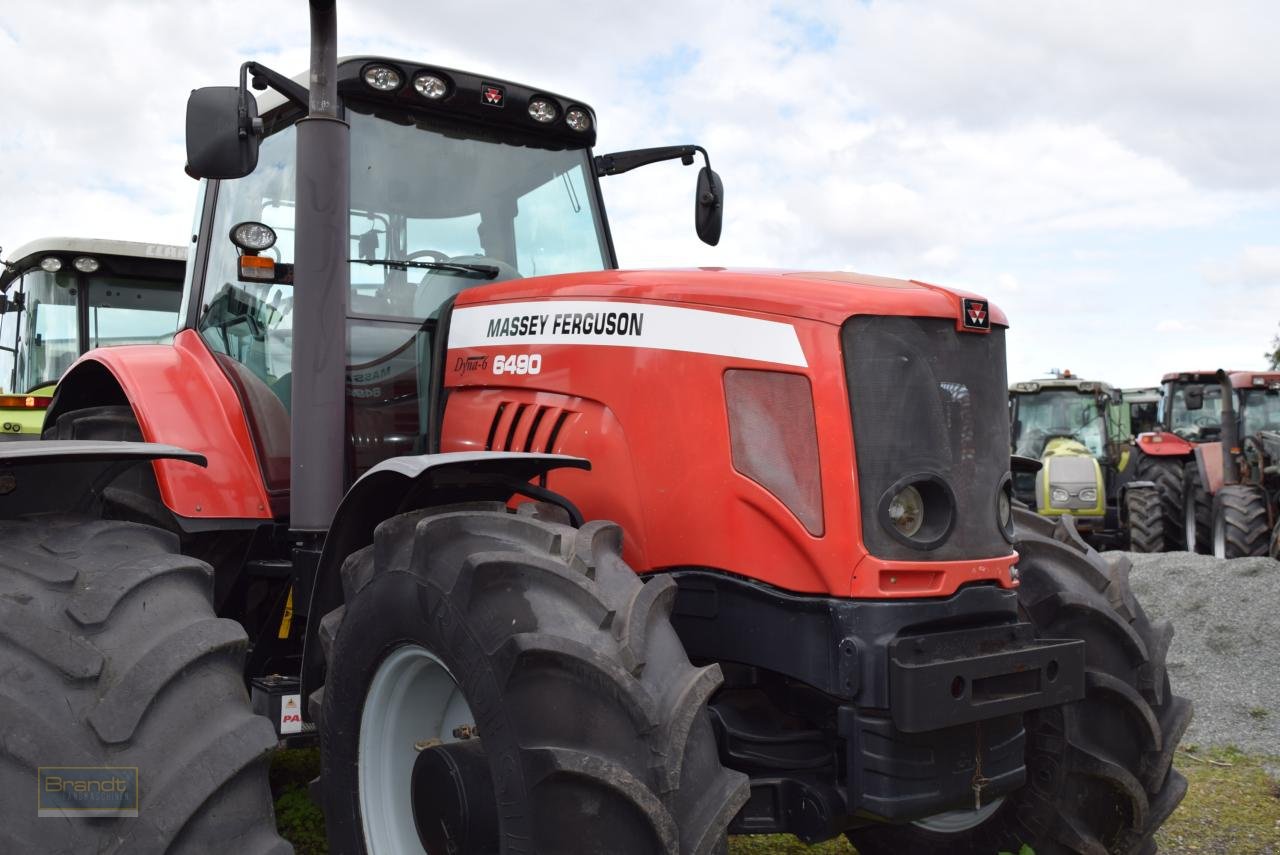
830 297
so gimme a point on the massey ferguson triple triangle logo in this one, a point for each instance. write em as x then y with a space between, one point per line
492 95
976 316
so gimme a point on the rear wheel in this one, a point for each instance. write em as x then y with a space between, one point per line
1099 774
1144 519
110 655
1197 511
1239 522
1166 472
527 661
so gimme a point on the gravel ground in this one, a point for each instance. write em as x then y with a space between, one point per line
1226 644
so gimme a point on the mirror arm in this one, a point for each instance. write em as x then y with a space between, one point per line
625 161
264 77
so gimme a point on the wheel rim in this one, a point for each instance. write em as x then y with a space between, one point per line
1219 537
1189 520
956 821
411 700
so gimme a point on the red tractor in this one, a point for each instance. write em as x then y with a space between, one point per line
1183 455
367 462
1238 477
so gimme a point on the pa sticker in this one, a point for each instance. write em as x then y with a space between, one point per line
975 314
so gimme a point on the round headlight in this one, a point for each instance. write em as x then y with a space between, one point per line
382 77
431 86
1004 507
918 510
1059 496
906 511
578 119
253 237
85 264
1089 494
51 264
542 110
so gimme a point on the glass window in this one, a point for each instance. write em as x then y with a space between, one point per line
1052 413
131 311
1201 423
9 321
49 339
1260 410
435 209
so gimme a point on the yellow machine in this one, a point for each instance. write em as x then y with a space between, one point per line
62 296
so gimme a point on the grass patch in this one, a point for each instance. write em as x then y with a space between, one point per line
1232 808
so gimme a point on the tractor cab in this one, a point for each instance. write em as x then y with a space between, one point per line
456 181
1191 406
60 297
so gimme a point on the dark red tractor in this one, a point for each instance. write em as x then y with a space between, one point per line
373 473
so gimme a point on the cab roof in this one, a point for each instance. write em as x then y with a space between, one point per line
29 254
1239 379
1077 384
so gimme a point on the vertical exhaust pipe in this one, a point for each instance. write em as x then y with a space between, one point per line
322 282
1230 434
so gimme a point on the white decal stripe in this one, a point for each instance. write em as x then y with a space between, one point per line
657 327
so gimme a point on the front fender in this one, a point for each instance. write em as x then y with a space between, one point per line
180 397
399 485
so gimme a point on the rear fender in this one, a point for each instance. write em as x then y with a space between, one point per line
180 397
1164 444
68 475
400 485
1208 457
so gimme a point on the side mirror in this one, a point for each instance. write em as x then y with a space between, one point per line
708 212
1194 396
223 131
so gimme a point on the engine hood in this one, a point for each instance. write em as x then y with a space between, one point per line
827 296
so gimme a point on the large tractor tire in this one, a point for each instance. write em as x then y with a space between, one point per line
1099 774
1166 472
526 659
1274 549
1240 522
110 655
1197 506
1144 520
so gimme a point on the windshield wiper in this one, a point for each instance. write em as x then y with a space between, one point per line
483 271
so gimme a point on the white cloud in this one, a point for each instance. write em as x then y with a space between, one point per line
1070 160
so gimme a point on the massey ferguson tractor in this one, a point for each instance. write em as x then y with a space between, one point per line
371 475
1071 427
1182 456
60 297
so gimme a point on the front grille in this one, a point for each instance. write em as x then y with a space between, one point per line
929 400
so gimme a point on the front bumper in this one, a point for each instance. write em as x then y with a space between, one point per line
925 692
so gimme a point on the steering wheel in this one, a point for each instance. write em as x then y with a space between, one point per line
436 255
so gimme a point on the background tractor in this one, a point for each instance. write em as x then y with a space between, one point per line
1138 410
817 611
1238 476
1190 416
1071 427
60 297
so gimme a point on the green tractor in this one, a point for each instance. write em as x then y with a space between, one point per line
1138 410
61 297
1073 446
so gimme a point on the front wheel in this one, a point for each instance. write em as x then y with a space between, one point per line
1144 520
1198 508
497 682
1099 774
1166 472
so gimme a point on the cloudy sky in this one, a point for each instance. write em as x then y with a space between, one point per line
1107 172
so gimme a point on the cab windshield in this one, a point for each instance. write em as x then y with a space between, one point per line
117 310
1041 416
1202 423
435 208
